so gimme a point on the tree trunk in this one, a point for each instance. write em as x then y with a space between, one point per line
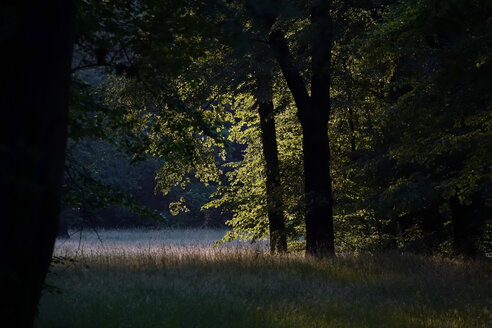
314 113
468 222
318 193
37 40
276 219
352 129
316 143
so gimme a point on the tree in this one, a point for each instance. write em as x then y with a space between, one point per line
432 111
150 101
276 219
259 19
170 102
256 61
34 103
314 114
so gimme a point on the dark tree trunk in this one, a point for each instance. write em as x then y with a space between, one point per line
351 120
36 39
316 144
276 219
314 113
468 222
318 193
352 130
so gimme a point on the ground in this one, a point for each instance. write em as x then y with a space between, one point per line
177 278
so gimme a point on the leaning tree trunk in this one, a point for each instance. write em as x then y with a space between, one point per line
36 39
276 219
314 112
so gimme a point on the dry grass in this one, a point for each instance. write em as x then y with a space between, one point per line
178 279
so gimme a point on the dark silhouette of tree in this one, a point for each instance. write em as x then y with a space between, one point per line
314 114
276 219
37 42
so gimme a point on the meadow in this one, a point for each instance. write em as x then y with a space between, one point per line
177 278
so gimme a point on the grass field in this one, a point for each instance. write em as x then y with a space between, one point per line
178 279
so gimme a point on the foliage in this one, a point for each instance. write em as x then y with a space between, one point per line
409 127
244 192
141 113
99 177
427 92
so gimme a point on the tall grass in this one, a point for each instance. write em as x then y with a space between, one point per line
178 279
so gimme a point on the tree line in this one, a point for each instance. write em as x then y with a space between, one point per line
365 125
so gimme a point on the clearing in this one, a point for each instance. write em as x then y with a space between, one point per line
177 278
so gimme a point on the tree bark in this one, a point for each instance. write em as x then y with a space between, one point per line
314 114
318 191
316 142
276 219
37 40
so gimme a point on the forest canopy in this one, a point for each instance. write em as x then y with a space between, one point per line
327 125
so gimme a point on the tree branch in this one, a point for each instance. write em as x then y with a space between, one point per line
294 80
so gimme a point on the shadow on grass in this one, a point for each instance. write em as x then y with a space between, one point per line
250 289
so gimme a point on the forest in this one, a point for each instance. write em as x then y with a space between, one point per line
343 143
